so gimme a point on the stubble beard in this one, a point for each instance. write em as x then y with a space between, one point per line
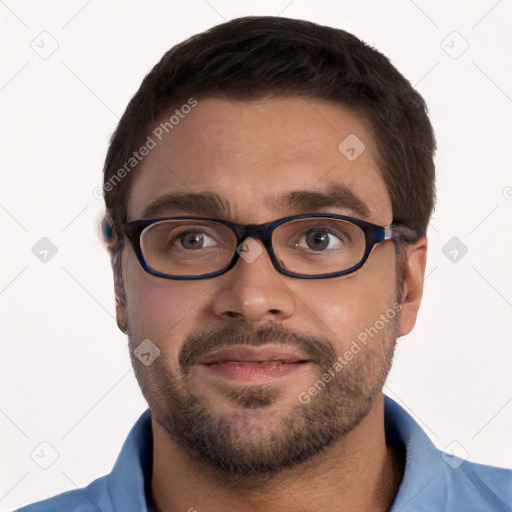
259 440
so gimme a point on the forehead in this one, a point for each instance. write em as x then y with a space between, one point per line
258 159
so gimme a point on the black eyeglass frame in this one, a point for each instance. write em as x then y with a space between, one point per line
374 235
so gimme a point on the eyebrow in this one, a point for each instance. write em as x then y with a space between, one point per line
207 204
210 204
336 195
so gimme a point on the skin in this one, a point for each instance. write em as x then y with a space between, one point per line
246 151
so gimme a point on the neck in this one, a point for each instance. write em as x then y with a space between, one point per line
359 472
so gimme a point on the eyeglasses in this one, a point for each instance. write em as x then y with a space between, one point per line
308 246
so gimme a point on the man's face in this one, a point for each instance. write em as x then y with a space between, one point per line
244 417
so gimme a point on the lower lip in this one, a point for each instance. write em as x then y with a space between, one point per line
253 372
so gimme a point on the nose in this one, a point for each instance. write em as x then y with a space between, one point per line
253 290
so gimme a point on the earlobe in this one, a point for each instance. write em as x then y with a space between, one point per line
412 289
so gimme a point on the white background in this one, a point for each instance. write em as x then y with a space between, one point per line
65 370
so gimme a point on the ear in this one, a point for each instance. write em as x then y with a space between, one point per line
121 313
412 289
110 238
121 306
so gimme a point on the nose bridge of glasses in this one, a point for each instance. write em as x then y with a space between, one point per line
261 232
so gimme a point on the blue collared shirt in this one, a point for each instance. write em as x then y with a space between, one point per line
433 481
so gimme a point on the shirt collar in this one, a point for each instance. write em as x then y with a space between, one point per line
132 470
422 458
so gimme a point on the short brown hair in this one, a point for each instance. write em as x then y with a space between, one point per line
254 57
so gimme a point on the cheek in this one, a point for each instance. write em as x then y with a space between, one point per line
159 309
345 306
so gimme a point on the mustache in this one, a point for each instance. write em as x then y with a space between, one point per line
198 345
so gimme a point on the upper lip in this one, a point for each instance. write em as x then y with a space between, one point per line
248 354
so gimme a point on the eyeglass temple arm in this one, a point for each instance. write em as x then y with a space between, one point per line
400 232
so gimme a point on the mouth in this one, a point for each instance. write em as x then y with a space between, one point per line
255 364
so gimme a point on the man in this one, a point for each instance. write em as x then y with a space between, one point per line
268 191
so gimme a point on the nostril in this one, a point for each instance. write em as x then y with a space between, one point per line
233 314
